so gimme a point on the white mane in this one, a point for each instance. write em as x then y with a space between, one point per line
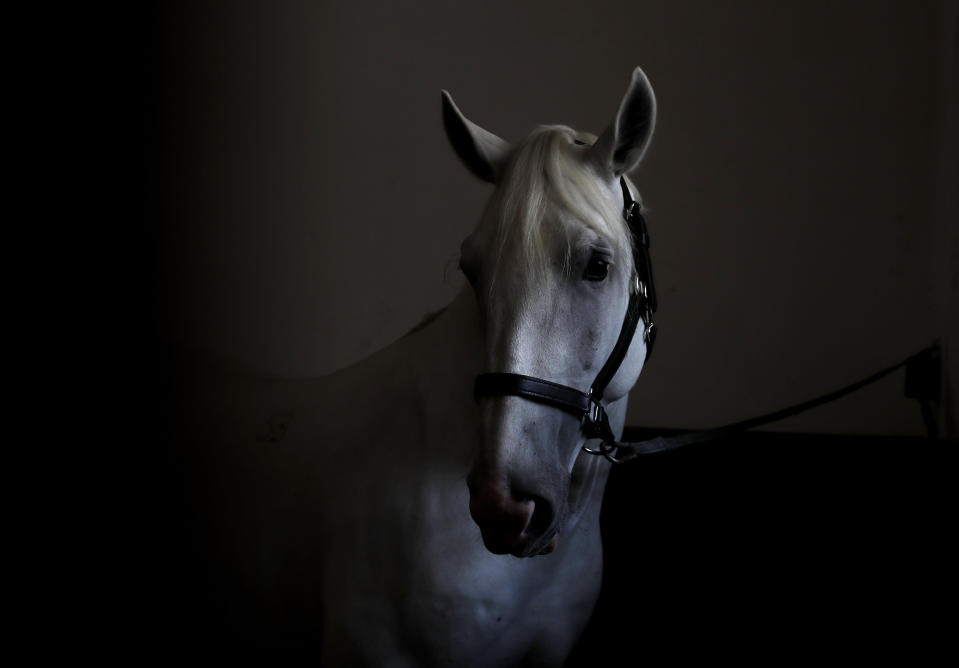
549 175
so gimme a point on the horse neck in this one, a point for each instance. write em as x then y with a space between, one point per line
444 357
453 342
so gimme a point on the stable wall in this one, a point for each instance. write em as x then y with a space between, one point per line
309 210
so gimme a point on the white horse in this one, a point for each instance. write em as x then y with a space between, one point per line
386 510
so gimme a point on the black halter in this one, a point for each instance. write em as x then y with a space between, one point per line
589 405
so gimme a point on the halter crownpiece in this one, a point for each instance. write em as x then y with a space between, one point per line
589 405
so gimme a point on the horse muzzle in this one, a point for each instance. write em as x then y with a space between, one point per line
512 519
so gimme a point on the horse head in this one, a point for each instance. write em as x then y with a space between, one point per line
552 268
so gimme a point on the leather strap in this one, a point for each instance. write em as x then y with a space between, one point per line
637 225
616 357
565 398
617 452
641 302
595 421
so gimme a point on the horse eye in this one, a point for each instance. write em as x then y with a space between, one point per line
597 269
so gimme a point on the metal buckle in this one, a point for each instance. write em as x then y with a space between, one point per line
593 419
595 414
611 452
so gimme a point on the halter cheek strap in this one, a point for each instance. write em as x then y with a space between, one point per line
589 405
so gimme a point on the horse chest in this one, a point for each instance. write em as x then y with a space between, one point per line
423 586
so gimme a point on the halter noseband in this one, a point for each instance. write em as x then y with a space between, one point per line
589 405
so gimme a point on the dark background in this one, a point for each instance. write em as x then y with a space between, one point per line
770 547
281 192
800 185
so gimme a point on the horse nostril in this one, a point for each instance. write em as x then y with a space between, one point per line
511 517
542 516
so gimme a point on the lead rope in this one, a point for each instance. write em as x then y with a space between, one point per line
618 452
588 406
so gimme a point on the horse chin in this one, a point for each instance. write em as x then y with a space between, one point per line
551 545
524 549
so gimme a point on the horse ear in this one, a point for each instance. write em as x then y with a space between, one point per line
482 151
621 147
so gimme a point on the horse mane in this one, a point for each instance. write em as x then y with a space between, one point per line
548 174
